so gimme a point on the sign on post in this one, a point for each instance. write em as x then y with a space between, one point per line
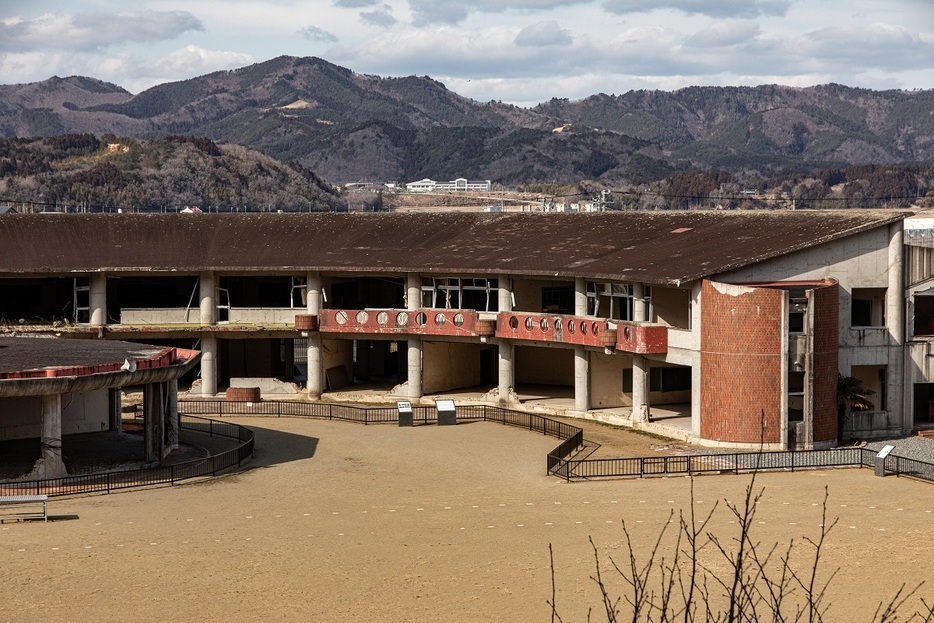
405 412
447 415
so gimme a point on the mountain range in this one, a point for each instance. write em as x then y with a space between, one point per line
348 127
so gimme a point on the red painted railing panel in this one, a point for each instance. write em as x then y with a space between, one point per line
444 322
576 330
641 338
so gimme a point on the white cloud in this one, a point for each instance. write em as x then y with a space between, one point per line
712 8
313 33
543 34
93 31
381 17
193 61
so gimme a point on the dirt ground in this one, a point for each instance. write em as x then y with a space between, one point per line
342 522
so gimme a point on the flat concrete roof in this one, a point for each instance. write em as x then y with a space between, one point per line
18 354
663 247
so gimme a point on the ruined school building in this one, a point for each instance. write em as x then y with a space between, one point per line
737 321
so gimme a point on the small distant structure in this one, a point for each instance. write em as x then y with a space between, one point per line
191 210
7 210
461 184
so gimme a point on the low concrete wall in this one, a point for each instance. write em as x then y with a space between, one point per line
263 315
156 316
870 424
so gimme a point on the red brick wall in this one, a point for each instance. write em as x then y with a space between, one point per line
825 302
741 365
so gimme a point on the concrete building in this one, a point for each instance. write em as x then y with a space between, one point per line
738 321
459 185
50 388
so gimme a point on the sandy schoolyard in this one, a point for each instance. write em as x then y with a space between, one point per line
340 522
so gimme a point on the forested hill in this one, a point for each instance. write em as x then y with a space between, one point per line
352 127
81 172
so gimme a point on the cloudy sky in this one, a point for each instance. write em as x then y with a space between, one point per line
519 51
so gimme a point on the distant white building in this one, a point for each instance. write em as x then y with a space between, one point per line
459 185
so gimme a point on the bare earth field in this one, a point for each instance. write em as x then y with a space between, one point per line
342 522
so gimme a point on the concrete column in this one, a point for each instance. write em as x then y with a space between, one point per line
581 356
208 364
50 464
899 390
413 300
171 424
115 406
640 366
98 299
315 383
506 376
639 308
206 294
154 421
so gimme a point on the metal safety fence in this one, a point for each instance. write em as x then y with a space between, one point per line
106 482
560 461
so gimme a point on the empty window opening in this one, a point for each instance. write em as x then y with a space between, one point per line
867 307
460 293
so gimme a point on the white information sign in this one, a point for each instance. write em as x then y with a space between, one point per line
884 452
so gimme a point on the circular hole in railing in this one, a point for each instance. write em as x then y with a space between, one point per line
544 325
458 320
341 317
529 323
362 317
571 327
513 323
421 319
595 328
627 333
557 323
583 328
440 319
402 319
382 318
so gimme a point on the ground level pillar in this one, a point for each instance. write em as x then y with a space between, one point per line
50 463
208 364
154 421
507 374
581 356
315 358
413 300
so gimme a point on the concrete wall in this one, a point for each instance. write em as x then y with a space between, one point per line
860 261
81 413
867 260
263 315
544 366
450 365
338 353
606 380
159 316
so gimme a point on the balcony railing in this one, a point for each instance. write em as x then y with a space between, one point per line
576 330
641 338
445 322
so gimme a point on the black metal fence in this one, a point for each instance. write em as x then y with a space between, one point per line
559 461
105 482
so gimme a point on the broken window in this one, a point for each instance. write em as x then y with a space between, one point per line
457 293
867 307
612 300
